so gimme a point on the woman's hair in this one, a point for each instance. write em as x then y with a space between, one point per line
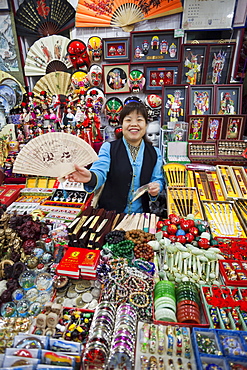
131 107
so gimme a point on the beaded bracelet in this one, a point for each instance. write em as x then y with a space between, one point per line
133 298
143 265
115 236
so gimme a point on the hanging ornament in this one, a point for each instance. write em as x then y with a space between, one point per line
113 107
78 54
95 75
136 81
94 48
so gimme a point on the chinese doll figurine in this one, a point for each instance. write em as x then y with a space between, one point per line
226 104
232 130
174 105
194 68
218 65
201 102
115 80
213 129
196 129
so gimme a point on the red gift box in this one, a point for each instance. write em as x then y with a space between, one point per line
9 195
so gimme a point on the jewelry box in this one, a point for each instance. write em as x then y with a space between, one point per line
240 180
202 151
208 185
231 148
228 185
40 182
224 219
218 317
183 201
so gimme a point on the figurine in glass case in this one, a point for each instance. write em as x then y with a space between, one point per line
226 104
174 105
194 68
218 65
213 129
201 102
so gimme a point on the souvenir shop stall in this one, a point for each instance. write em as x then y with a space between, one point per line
83 288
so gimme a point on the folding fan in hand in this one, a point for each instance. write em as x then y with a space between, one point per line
53 154
44 17
48 54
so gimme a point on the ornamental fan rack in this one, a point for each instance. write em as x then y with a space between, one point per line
44 17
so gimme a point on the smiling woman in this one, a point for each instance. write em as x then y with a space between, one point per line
124 165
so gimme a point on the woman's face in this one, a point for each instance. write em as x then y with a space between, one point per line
134 128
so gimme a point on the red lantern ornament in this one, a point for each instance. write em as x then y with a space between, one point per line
175 219
194 231
172 238
191 222
204 243
181 239
185 224
165 234
159 224
172 229
189 237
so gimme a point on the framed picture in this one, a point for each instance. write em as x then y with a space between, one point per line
116 49
158 76
201 98
10 57
196 128
228 99
193 61
202 15
214 128
154 46
175 103
4 5
220 58
234 127
240 14
116 78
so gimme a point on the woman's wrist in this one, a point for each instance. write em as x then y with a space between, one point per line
93 180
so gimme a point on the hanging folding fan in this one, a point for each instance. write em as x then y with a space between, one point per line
122 13
48 54
54 83
44 17
54 154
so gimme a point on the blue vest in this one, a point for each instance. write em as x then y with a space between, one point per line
115 193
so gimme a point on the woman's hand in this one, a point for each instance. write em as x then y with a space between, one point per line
81 174
153 189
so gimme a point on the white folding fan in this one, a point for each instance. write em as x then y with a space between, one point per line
48 54
53 154
54 83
